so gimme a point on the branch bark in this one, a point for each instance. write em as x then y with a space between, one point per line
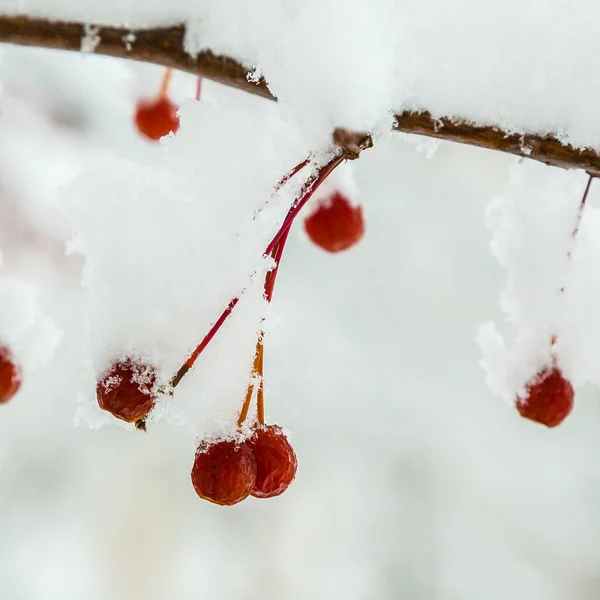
165 46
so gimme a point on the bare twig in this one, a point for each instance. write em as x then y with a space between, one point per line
165 46
161 46
546 149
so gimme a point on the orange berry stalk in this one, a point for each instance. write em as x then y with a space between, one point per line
257 367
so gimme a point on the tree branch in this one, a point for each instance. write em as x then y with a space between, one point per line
547 149
165 46
161 46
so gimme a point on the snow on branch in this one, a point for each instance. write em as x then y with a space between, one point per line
166 46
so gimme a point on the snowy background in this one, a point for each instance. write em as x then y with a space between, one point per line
414 480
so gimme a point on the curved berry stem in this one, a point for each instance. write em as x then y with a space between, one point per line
582 205
259 364
554 338
198 87
189 363
291 174
164 84
308 189
272 274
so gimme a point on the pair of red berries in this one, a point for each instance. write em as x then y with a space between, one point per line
10 375
263 466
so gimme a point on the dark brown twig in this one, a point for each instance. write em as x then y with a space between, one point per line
165 46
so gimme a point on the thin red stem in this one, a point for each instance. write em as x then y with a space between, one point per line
309 188
272 275
554 338
198 87
291 174
285 179
582 205
304 196
259 364
189 363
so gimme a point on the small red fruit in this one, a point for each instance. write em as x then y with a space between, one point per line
10 375
276 461
156 118
549 398
335 225
224 473
126 390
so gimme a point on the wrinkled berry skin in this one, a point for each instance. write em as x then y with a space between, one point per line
548 399
335 225
10 375
126 390
224 473
275 461
156 118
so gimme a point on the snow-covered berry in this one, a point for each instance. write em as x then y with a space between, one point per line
126 390
548 398
224 472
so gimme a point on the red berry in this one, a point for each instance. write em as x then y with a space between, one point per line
335 225
126 390
224 473
549 398
275 461
10 375
156 118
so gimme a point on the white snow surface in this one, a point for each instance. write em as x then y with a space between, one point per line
412 478
30 336
532 221
170 241
527 66
553 285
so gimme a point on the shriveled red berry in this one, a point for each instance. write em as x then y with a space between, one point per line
126 390
548 399
276 462
224 473
335 225
156 118
10 375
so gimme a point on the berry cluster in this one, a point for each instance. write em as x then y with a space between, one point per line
228 472
263 463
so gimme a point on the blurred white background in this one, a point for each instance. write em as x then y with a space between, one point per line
414 481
